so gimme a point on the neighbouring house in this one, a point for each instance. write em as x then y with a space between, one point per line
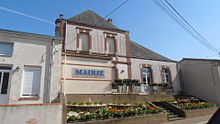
29 68
201 78
95 52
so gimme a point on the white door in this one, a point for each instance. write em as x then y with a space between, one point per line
4 84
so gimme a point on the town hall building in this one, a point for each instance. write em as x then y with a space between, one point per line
95 52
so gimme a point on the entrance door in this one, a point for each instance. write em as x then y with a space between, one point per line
4 82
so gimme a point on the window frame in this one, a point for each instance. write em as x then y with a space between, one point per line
79 31
164 74
106 45
12 50
142 66
6 70
22 83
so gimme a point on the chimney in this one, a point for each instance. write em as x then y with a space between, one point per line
109 20
61 16
58 23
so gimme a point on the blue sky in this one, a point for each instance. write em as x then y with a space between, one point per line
147 23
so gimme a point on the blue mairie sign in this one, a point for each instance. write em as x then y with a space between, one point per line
88 73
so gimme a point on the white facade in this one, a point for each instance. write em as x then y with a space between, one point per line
34 68
97 59
95 53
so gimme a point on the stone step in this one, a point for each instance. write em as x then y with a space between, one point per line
173 116
176 118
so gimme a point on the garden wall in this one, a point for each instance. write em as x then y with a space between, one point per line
200 112
146 119
117 98
32 114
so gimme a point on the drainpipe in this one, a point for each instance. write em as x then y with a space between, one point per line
50 71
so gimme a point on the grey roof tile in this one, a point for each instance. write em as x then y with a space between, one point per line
138 51
91 18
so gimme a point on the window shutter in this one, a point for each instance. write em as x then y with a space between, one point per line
111 44
84 42
31 81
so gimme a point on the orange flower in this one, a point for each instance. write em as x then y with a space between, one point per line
153 108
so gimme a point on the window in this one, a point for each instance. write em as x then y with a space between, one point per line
147 75
84 38
6 49
166 78
4 79
110 44
31 81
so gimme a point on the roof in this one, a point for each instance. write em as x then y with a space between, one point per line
30 34
138 51
196 59
91 18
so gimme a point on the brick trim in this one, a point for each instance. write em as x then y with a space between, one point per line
28 98
119 62
83 79
88 56
128 53
87 65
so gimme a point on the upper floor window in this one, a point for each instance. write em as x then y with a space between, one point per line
110 44
84 41
166 77
147 76
6 49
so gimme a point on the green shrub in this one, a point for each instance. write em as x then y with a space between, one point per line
118 82
72 119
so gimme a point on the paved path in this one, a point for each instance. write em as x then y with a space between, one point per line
196 120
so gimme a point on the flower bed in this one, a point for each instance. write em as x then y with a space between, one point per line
189 103
112 111
193 106
85 106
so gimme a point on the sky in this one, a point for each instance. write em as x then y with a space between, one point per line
147 23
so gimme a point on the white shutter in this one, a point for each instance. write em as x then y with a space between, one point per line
31 81
84 42
111 44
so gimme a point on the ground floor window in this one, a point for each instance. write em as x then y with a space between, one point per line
166 77
146 75
31 81
4 79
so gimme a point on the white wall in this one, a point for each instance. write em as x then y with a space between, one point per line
201 79
82 85
42 114
156 67
32 51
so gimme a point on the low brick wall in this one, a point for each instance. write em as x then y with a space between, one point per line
146 119
200 112
117 98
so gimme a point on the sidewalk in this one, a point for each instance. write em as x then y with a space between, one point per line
196 120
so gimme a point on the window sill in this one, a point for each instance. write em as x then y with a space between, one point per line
2 55
28 98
